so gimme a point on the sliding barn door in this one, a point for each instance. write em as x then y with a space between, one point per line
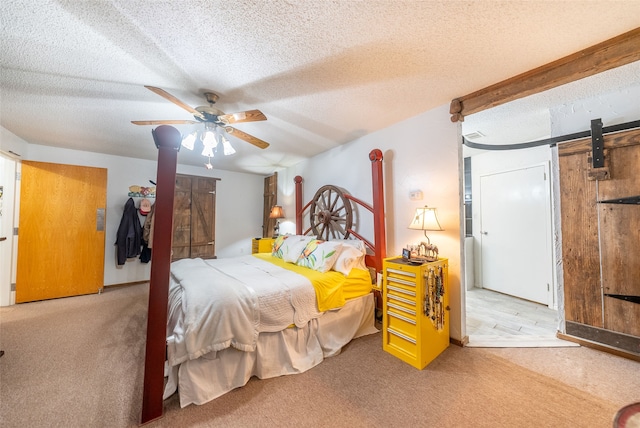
61 231
600 213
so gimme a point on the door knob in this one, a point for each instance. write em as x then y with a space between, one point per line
3 238
485 233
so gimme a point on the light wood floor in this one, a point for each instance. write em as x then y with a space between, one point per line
499 317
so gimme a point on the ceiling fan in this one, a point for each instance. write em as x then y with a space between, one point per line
211 117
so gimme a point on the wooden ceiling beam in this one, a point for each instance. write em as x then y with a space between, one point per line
612 53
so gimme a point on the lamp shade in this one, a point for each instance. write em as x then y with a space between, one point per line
276 212
425 218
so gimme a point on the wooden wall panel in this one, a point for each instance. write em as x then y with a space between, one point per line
580 256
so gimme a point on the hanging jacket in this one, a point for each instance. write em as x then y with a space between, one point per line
129 237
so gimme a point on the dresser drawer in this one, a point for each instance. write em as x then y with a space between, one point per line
401 342
401 294
402 322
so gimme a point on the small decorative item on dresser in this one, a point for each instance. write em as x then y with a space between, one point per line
426 219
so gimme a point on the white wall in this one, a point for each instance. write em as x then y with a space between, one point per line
238 203
11 144
616 107
421 153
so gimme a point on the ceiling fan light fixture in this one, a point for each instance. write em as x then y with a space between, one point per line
209 139
228 148
189 141
207 151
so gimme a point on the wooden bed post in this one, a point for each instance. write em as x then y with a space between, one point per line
298 181
380 238
167 139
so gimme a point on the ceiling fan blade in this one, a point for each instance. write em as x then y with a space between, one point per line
243 116
166 95
165 122
246 137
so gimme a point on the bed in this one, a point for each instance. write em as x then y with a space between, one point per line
278 313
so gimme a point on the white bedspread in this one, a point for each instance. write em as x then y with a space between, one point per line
221 303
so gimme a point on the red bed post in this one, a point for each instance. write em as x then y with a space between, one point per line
167 139
380 239
298 180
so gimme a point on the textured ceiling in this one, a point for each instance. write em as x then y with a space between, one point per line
323 72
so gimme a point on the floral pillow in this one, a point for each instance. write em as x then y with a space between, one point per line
292 247
319 255
276 250
289 247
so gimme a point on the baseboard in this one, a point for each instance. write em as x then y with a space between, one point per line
125 284
459 342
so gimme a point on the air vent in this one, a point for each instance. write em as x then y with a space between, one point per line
474 135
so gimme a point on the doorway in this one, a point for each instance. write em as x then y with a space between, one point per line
8 171
511 247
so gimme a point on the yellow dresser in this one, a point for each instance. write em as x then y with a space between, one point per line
261 245
415 304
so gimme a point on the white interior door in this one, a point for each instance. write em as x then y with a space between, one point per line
7 193
515 234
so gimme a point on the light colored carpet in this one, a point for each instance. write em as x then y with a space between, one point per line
78 362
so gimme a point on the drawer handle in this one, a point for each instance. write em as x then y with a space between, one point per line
401 272
402 290
402 336
402 299
400 317
402 281
400 308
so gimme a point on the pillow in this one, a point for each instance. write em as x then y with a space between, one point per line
292 247
358 262
348 258
356 243
276 250
289 247
319 255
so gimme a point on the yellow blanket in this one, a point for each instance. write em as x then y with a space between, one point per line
333 289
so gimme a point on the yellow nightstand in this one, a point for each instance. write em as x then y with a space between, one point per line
415 310
261 245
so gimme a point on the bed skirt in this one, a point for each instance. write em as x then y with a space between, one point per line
293 350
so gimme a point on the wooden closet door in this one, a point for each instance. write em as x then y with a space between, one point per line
61 235
203 217
194 217
181 244
270 198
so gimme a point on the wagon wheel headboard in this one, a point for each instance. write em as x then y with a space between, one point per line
331 213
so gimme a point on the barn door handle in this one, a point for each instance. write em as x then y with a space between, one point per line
210 243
